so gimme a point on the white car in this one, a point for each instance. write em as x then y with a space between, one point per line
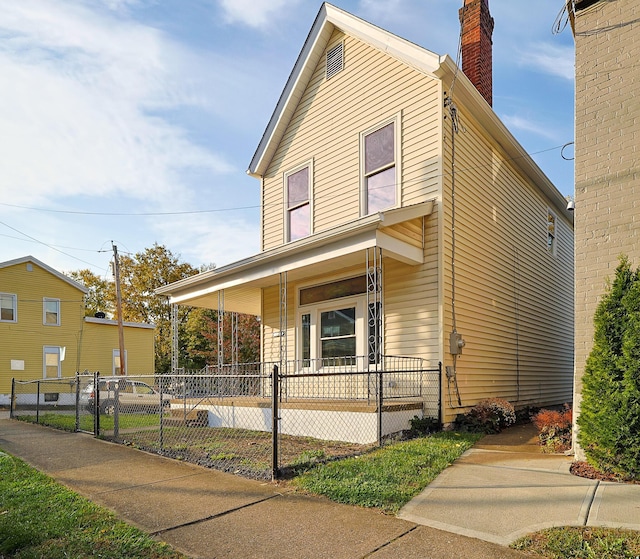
132 396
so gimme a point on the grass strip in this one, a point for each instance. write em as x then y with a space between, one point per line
389 477
582 543
40 518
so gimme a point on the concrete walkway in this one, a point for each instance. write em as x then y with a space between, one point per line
505 487
491 494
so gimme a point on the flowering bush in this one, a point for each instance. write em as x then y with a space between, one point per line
487 416
554 429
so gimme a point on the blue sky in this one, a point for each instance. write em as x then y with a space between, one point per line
134 121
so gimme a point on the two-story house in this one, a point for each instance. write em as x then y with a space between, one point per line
44 333
400 218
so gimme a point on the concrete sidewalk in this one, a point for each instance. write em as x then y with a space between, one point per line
501 489
505 487
210 514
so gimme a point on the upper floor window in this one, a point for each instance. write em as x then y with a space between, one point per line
379 164
8 307
51 312
551 232
298 202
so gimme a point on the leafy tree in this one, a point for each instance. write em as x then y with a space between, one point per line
99 298
609 418
201 338
140 275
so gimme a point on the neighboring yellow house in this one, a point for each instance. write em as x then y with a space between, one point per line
401 218
44 332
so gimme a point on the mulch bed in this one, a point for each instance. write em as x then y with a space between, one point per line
583 469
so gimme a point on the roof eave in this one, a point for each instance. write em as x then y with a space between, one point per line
469 97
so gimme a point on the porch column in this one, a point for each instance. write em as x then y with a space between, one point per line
283 322
174 338
375 311
220 329
234 339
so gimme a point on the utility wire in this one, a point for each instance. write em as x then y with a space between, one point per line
48 245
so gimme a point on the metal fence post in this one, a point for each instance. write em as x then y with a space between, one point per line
77 401
38 403
162 377
12 403
274 423
96 403
380 402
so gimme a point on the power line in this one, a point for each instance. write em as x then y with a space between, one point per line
48 245
138 214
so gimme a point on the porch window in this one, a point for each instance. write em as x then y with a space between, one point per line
51 312
333 323
379 155
8 307
298 203
338 333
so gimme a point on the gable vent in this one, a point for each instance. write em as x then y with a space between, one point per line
335 60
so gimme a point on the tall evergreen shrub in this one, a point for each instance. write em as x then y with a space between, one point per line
609 421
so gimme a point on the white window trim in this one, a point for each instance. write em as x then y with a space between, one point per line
285 215
115 354
315 310
46 300
53 350
397 122
14 297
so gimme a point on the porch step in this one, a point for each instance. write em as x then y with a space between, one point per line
186 418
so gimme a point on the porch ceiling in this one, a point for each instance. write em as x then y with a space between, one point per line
321 254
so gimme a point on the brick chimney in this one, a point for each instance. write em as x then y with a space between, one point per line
477 29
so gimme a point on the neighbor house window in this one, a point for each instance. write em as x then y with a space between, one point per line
551 232
116 370
51 312
298 202
52 362
379 164
8 307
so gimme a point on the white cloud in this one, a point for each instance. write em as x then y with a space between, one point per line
254 13
550 59
527 125
77 117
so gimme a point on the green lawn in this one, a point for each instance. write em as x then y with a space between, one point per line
389 477
582 543
40 518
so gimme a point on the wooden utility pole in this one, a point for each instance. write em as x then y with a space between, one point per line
116 273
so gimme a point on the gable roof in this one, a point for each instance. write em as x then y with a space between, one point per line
328 19
440 67
26 259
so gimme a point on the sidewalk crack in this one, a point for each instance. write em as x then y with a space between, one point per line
213 516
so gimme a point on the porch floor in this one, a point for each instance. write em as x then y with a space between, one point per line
362 406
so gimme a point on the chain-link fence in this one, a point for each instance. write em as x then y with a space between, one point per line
259 420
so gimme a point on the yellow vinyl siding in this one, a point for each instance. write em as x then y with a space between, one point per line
326 127
25 339
514 300
99 341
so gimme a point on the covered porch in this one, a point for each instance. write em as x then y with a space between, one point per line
322 308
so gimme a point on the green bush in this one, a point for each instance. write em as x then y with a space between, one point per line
609 420
487 416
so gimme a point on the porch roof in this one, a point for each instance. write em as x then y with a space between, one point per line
322 253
